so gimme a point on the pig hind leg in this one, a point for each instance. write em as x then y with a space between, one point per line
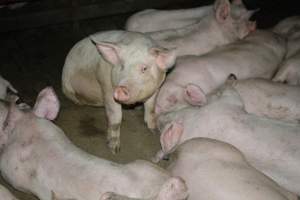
86 89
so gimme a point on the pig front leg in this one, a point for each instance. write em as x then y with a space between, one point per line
114 117
149 115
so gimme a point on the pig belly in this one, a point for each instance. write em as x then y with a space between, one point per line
86 89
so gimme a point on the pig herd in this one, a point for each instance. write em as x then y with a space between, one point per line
224 96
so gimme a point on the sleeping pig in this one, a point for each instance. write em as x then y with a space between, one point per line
271 146
193 77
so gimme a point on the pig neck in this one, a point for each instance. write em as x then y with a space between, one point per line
193 40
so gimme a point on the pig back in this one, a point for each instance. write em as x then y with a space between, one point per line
258 55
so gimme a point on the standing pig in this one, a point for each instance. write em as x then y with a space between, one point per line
120 67
151 20
37 157
4 87
266 98
5 194
271 146
258 55
220 27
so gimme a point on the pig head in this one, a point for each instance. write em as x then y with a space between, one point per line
136 74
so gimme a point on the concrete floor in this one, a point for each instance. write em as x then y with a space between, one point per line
33 59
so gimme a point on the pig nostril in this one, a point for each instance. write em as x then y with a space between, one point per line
121 93
125 91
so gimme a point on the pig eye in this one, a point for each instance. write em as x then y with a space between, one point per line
144 68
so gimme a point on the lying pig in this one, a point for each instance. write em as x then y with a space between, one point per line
266 98
285 26
206 164
5 194
271 146
258 55
215 170
37 157
151 20
289 71
120 67
4 87
220 27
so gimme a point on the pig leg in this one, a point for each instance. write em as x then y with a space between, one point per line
149 115
114 117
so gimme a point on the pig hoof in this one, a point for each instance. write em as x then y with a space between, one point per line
151 125
154 130
114 145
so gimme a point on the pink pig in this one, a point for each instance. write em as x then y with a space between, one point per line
193 77
222 26
289 71
271 146
152 20
215 170
37 157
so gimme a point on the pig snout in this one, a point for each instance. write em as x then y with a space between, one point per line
121 94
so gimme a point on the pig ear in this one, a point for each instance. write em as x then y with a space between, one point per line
170 137
109 51
47 104
13 115
222 10
165 58
194 95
